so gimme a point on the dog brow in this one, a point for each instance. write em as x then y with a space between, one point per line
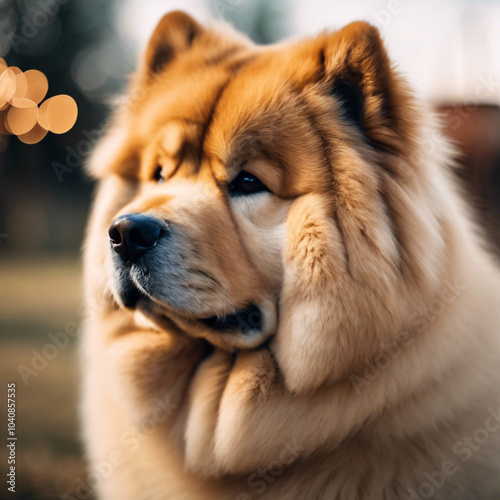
209 121
234 67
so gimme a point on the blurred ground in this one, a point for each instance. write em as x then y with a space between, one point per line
38 297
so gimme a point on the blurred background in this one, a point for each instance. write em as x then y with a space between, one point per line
448 50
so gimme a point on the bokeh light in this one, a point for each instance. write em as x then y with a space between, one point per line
20 94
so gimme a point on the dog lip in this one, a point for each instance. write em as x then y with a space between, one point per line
130 296
245 320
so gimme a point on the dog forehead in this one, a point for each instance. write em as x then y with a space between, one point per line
233 113
212 95
187 100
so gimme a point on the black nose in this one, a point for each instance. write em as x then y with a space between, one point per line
132 234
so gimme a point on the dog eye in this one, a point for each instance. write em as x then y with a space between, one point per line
158 175
246 184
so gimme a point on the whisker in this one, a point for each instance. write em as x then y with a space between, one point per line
212 283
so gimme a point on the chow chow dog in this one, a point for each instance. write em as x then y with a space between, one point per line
287 298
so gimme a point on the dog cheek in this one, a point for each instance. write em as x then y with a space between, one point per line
316 284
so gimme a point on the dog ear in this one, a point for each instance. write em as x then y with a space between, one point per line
116 152
358 74
173 35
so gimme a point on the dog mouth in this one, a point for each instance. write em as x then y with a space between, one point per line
244 321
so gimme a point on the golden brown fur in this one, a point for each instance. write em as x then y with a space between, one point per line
363 253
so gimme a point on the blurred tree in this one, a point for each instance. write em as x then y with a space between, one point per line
74 44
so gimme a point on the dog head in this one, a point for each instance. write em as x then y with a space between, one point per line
272 194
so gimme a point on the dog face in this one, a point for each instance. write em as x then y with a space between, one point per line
271 195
